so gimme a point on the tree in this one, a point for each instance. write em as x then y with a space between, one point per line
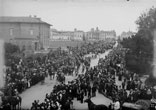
139 58
147 21
10 51
10 48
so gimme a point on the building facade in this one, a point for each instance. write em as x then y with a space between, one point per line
60 35
26 32
75 35
78 35
126 34
107 35
100 34
92 34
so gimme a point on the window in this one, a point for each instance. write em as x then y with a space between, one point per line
11 32
31 32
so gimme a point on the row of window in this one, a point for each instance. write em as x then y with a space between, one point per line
11 32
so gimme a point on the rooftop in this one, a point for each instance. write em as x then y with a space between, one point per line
29 19
25 39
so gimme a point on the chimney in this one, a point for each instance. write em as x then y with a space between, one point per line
30 16
35 16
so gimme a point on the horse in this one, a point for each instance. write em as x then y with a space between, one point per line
13 101
92 106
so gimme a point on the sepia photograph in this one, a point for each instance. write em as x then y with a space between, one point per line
77 54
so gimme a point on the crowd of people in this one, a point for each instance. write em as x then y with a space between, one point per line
101 78
78 88
93 48
26 72
131 89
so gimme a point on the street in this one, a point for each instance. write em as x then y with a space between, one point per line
39 91
78 55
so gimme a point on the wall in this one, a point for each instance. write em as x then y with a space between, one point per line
60 37
45 35
56 44
2 81
25 30
5 30
22 31
78 35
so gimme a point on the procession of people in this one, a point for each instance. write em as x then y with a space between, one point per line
78 88
24 73
102 78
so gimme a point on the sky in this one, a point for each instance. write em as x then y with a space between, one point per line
118 15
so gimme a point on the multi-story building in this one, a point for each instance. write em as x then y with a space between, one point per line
75 35
93 34
78 35
27 32
64 39
107 35
60 35
100 34
126 34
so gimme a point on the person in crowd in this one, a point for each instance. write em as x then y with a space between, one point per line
93 91
89 90
117 104
111 107
152 105
23 74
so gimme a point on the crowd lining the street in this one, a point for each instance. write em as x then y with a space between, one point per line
25 73
101 78
78 88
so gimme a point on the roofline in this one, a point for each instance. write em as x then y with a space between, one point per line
39 20
29 22
17 38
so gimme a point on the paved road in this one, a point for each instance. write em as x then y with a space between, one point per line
94 62
38 91
99 99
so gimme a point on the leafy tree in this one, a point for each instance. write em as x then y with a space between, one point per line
10 51
10 48
147 22
139 58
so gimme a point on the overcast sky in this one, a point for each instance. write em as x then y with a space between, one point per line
118 15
